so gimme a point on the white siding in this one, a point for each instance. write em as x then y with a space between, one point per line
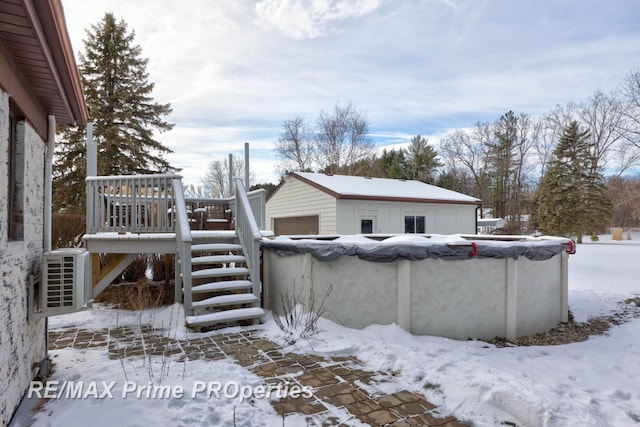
22 342
296 198
440 218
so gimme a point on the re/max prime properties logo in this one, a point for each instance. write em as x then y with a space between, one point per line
134 390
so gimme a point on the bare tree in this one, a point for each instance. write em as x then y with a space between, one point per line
605 116
216 181
631 92
543 145
295 145
466 150
342 139
527 133
625 196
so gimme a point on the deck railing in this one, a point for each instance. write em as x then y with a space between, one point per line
183 239
134 203
249 235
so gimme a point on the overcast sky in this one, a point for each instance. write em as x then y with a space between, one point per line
234 70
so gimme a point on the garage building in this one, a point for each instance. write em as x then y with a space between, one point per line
312 203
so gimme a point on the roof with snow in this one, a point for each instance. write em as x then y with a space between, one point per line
491 222
396 190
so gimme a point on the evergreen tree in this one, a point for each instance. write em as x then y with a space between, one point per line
421 160
572 200
118 97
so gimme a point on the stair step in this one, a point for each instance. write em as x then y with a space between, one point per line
225 316
225 285
226 300
220 272
216 247
217 259
213 234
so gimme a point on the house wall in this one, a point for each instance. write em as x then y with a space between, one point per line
439 218
22 341
295 198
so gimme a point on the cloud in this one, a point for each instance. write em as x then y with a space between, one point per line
234 70
308 19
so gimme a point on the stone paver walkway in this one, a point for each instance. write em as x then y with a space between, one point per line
337 382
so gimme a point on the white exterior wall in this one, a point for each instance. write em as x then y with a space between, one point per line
476 298
439 218
22 341
295 198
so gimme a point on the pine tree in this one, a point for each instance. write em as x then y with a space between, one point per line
118 97
573 199
421 160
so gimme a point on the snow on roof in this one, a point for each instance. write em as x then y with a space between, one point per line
491 222
358 187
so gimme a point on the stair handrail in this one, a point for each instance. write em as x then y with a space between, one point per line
183 240
249 235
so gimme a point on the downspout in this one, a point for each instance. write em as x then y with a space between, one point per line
479 207
48 194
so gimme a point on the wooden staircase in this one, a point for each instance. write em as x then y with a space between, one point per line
222 289
217 271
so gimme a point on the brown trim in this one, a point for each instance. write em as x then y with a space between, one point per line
306 181
275 190
14 84
408 199
66 61
316 185
37 65
381 198
49 24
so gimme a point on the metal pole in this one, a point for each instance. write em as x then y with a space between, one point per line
231 192
247 184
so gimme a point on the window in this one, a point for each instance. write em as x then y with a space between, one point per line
366 226
414 224
16 176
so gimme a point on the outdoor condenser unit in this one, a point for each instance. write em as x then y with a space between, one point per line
65 275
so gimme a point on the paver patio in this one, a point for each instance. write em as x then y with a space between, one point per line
337 382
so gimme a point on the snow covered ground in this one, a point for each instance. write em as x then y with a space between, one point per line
591 383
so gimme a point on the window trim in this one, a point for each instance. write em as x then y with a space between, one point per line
15 182
414 217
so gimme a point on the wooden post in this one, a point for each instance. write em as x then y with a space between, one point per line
511 320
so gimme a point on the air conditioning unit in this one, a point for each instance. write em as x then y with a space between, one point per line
66 281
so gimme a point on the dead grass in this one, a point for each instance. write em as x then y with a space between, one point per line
137 296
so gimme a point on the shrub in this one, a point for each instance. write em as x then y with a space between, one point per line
142 296
67 230
136 270
162 267
299 318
